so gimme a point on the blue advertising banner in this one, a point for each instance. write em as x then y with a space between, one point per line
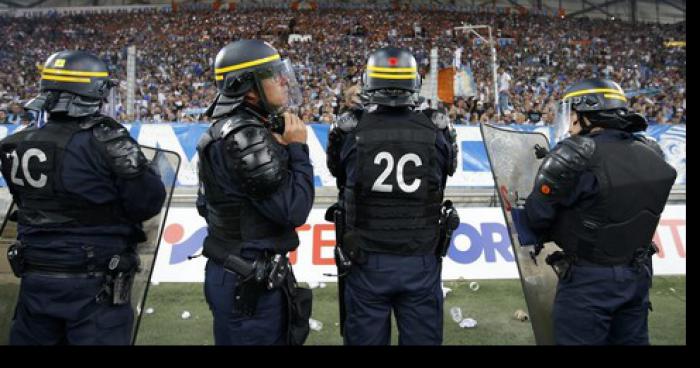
473 167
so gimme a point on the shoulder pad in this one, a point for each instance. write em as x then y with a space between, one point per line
451 134
91 122
649 142
235 123
561 168
347 121
121 151
220 129
104 128
254 156
204 140
579 145
440 119
443 123
333 150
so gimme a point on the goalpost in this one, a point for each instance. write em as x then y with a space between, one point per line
492 45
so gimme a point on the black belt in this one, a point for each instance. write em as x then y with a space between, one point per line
586 263
64 275
218 250
73 271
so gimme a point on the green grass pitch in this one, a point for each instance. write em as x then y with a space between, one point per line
492 306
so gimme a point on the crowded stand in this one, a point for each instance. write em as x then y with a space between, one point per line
537 57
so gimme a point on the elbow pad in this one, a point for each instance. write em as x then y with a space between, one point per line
562 167
120 150
444 124
345 123
256 159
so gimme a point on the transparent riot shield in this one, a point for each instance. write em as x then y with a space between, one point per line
514 166
9 284
167 164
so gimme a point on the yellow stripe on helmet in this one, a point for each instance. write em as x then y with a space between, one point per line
594 90
247 64
617 97
64 79
76 73
392 76
391 70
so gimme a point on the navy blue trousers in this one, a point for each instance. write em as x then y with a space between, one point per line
268 326
53 311
408 285
602 306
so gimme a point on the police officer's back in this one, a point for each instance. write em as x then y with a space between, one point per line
599 195
391 163
256 187
82 189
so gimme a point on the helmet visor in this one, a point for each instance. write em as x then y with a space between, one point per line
562 120
279 86
109 107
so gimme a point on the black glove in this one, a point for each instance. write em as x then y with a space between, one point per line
540 151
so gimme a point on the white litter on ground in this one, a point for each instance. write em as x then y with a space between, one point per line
315 324
445 290
520 315
468 323
456 313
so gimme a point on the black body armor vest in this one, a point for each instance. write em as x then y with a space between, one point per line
32 161
232 220
634 183
394 205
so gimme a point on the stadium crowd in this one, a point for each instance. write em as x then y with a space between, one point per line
537 55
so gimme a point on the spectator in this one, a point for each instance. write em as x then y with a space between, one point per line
16 114
519 118
327 118
504 79
458 112
507 117
3 117
175 53
534 117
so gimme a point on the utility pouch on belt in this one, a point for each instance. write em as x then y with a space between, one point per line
336 214
642 260
449 222
15 256
266 273
119 278
246 296
561 264
299 303
351 247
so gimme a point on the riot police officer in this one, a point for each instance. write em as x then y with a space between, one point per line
391 163
256 187
82 187
599 195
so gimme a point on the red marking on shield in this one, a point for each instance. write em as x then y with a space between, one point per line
504 196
